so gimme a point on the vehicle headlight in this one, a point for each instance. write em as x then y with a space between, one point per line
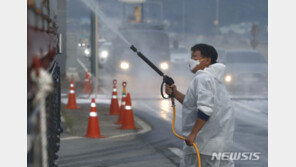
228 78
86 51
164 65
104 54
124 65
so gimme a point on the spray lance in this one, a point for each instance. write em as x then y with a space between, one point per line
166 79
169 81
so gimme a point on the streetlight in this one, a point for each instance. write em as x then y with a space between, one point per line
183 17
216 21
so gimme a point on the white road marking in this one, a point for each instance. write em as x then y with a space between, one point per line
71 138
100 96
247 107
87 101
177 151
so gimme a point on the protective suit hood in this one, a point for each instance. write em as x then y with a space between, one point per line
217 70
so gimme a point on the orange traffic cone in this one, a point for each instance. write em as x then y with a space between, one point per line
72 97
93 129
87 83
114 107
128 118
123 100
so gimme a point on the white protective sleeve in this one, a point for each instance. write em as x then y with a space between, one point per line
205 96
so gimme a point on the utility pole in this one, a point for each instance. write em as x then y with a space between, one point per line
61 19
216 21
161 11
123 12
142 12
217 10
183 17
94 50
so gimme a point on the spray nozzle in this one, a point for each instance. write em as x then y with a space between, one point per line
133 48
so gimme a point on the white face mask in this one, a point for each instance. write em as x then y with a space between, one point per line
193 63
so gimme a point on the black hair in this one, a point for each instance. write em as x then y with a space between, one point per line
206 51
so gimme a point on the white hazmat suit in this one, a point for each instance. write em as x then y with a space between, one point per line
208 99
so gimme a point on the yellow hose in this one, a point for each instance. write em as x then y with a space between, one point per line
173 128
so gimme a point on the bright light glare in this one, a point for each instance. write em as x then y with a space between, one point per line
79 44
165 105
164 66
228 78
83 44
104 54
124 65
86 51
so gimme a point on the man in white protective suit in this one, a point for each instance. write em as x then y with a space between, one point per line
207 111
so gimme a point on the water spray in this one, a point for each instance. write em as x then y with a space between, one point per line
169 81
166 79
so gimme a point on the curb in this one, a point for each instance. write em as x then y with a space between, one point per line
145 128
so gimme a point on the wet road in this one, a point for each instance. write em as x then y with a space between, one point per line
251 114
251 127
